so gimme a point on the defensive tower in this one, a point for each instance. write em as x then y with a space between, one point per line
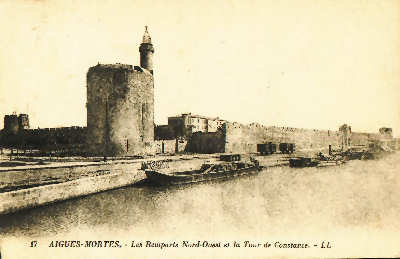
120 108
11 124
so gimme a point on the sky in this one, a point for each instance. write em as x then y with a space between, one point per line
306 64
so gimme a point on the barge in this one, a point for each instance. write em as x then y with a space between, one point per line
301 162
319 161
227 168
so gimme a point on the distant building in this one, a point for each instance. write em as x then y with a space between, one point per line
23 121
186 124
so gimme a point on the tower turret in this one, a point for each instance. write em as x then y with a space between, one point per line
146 52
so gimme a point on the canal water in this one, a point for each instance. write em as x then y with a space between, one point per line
360 199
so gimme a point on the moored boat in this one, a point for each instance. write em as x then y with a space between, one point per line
319 161
207 172
300 162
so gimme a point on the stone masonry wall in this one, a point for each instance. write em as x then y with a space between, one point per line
171 146
165 146
244 138
207 142
120 110
241 138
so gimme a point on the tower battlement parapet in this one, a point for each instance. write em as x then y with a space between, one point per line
146 47
116 66
112 68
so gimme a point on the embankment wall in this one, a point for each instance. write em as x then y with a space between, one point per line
80 180
50 174
32 197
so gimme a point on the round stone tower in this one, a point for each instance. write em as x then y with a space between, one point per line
120 106
146 52
120 110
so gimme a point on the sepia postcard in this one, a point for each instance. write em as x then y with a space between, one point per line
199 129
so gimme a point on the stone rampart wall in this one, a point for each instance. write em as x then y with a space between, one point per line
165 146
170 146
207 143
360 138
244 138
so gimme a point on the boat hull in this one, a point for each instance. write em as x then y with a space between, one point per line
302 162
167 179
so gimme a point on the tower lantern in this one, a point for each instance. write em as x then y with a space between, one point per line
146 52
